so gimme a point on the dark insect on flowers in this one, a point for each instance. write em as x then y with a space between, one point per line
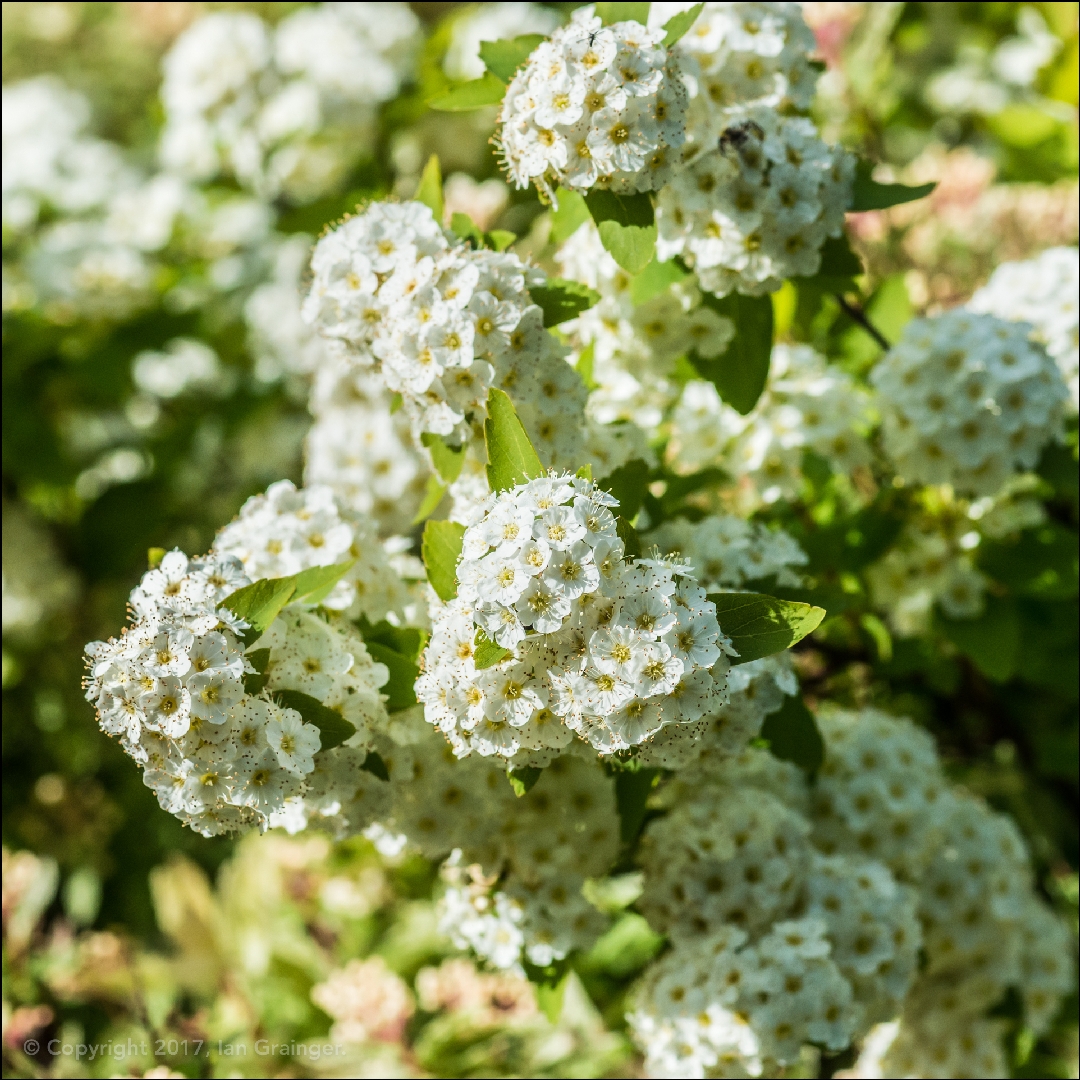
592 38
736 137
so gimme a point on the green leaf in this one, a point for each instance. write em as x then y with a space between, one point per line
868 194
433 495
626 225
260 603
585 472
761 625
550 998
375 765
334 729
523 779
260 661
407 640
440 550
838 259
512 460
584 366
793 735
571 214
740 373
396 402
1040 562
154 556
464 227
629 484
625 949
677 26
446 459
654 279
316 583
992 641
465 97
488 653
399 688
499 239
429 190
561 300
503 58
628 535
632 790
616 13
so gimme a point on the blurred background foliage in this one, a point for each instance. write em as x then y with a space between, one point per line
980 97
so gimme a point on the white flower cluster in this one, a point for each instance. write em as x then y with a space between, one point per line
283 109
594 106
806 914
605 649
288 530
881 792
739 55
50 160
756 209
443 323
807 404
1044 292
967 400
726 552
171 688
634 347
548 844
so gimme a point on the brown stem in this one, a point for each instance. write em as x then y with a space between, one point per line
857 315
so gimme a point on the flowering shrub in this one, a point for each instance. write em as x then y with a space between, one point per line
615 619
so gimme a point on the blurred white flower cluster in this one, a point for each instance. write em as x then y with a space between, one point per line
634 346
967 400
594 106
807 404
283 109
1045 292
602 648
799 914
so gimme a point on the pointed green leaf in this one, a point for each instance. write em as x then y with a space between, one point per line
523 779
677 26
154 556
868 194
629 484
626 225
499 239
838 260
740 373
407 640
488 653
623 209
761 625
992 642
464 227
584 366
259 603
429 190
561 300
550 998
793 735
334 729
399 688
512 460
503 58
616 13
433 495
440 550
396 402
316 583
375 765
465 97
260 661
585 473
571 214
446 459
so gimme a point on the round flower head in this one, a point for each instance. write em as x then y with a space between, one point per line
757 206
440 323
590 644
967 400
594 106
1044 292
